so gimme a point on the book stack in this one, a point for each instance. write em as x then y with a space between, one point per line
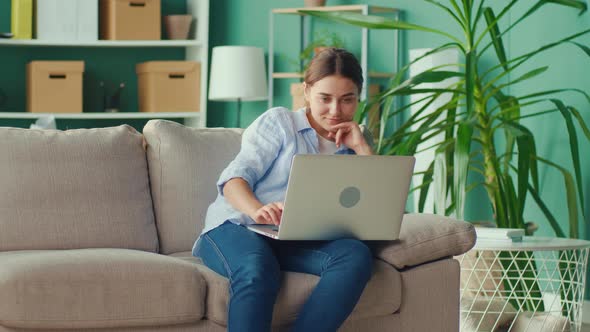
67 20
500 234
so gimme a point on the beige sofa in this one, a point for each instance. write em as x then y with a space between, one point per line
96 228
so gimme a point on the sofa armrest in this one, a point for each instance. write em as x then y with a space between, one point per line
424 238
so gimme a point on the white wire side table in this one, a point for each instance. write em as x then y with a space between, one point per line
534 285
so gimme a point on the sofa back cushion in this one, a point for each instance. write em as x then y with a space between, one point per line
83 188
184 165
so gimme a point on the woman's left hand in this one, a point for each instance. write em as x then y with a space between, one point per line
349 133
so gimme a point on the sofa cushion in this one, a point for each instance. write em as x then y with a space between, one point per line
424 238
381 297
97 288
82 188
184 164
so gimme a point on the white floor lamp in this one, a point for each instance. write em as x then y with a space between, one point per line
237 74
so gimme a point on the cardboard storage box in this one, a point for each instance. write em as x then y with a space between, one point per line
130 19
54 86
67 20
169 86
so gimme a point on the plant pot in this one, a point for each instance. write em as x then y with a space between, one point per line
178 26
314 3
319 49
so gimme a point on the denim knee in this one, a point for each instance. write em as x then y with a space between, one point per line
358 257
258 272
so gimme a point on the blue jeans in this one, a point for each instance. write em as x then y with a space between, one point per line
253 262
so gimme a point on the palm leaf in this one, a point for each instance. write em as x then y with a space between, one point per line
374 22
570 189
552 221
492 23
574 147
427 177
461 162
440 179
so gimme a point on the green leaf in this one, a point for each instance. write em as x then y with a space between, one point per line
580 121
470 75
510 113
373 22
584 48
461 164
574 147
525 145
524 77
572 203
496 37
509 194
440 181
426 179
449 11
552 221
581 5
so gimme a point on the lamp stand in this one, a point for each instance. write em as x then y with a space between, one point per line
239 113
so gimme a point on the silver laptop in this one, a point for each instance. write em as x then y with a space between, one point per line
335 196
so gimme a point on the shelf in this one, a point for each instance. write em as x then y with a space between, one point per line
97 115
287 75
372 74
101 43
349 8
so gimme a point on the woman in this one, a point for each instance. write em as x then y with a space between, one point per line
252 189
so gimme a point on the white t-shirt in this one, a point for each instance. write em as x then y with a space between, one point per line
326 146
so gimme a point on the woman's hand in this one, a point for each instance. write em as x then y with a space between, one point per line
269 214
349 134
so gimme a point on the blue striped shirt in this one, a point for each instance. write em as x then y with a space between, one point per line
264 161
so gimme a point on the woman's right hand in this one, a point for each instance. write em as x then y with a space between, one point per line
269 214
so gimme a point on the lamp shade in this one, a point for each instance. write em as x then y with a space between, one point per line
237 72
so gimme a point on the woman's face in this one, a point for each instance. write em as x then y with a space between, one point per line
332 100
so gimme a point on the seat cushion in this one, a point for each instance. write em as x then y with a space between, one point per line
382 295
184 165
74 189
97 288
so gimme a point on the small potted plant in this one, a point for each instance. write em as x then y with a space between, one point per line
314 3
322 39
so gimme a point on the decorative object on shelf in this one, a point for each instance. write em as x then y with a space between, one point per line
178 26
21 19
314 3
44 122
322 39
237 74
54 86
130 20
111 102
6 35
3 98
66 20
168 86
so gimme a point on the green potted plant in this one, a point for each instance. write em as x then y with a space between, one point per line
482 122
322 39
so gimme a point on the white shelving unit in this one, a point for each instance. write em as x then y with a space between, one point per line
305 34
196 49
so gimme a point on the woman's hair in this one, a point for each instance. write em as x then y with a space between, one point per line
334 61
